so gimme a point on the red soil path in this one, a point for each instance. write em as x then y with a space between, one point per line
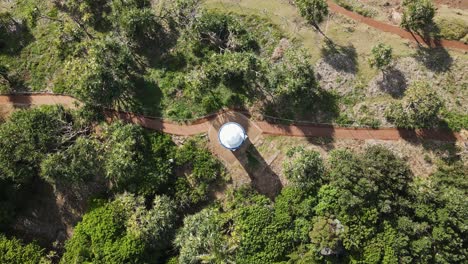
395 30
202 125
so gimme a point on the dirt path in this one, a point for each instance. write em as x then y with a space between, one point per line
203 125
394 29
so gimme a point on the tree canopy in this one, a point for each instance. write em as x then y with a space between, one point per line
420 107
417 14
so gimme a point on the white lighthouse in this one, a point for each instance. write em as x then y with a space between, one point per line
231 135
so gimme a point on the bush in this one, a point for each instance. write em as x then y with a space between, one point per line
419 108
355 7
78 163
452 28
313 11
13 251
201 171
122 231
381 56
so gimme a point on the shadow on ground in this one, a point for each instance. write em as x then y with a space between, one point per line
264 179
393 82
341 58
434 59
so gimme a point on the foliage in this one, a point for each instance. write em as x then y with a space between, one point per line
325 235
419 108
365 188
77 163
356 7
104 77
201 239
312 10
381 56
417 14
135 20
455 121
219 32
122 231
201 171
26 138
304 168
14 34
15 252
88 12
452 28
136 160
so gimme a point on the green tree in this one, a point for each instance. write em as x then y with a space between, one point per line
135 20
325 236
15 252
417 14
87 12
313 11
122 231
363 189
25 139
381 57
136 160
78 163
201 239
202 170
419 108
304 168
218 32
103 73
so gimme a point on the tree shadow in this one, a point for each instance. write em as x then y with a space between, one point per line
393 82
320 107
20 101
146 98
441 141
341 58
14 35
264 179
434 59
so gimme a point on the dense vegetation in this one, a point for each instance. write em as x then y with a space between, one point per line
179 60
150 182
355 207
363 208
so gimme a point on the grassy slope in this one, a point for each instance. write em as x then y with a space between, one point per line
344 31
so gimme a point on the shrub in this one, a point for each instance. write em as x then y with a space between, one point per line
201 171
381 56
452 28
355 7
137 160
305 169
15 252
122 231
419 108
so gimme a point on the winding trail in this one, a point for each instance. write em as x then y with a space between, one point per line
203 125
395 30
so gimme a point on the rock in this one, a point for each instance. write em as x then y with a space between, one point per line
396 17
